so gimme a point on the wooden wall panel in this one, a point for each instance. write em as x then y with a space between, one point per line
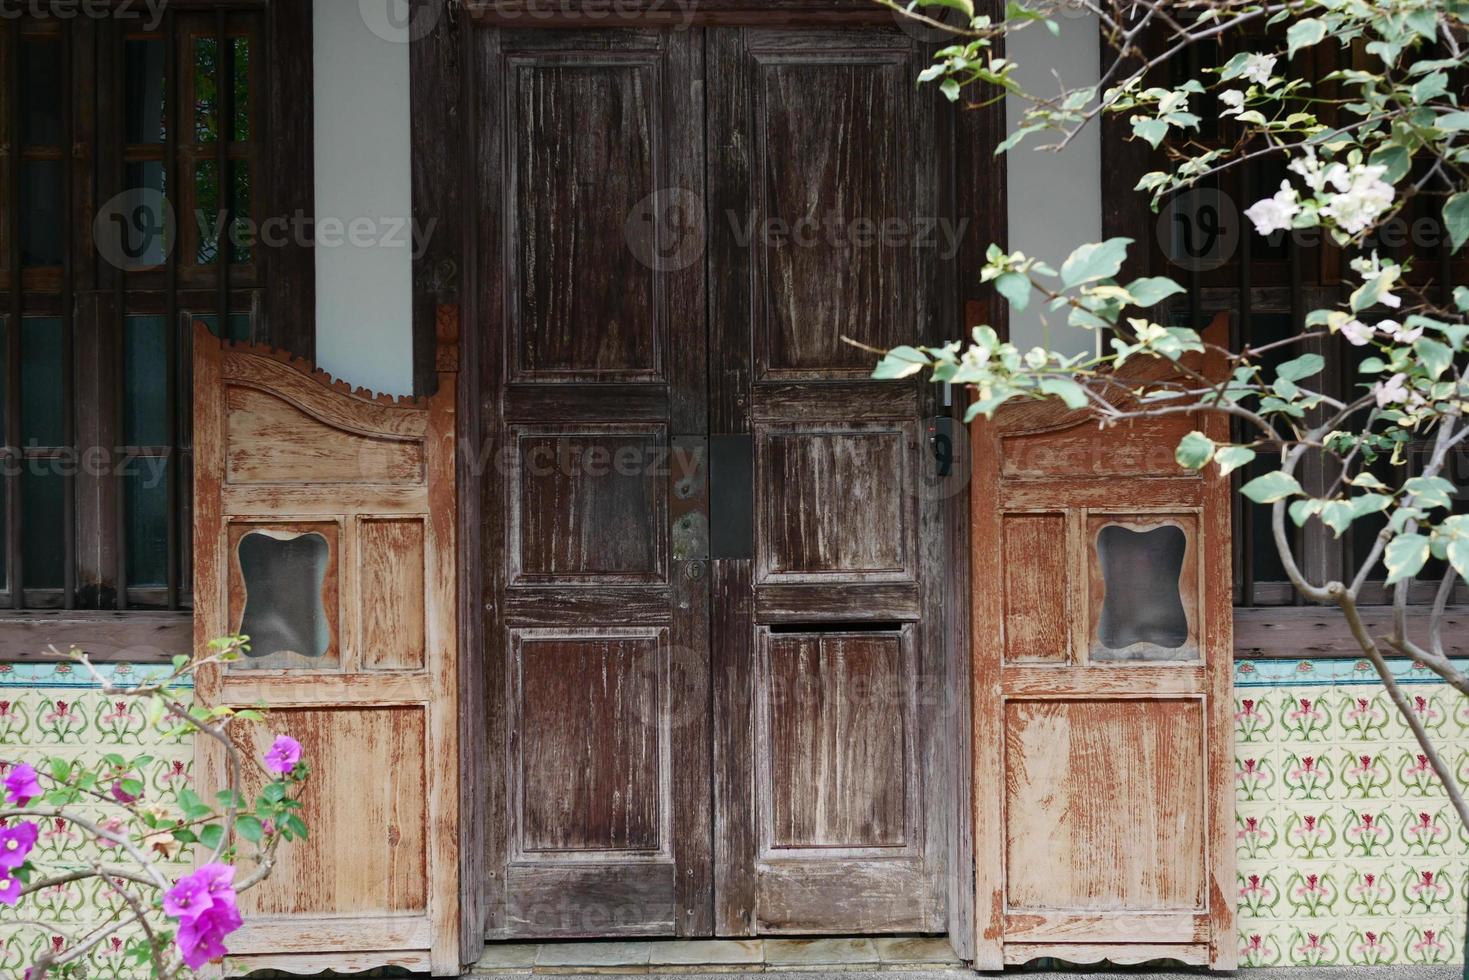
1140 448
1105 805
592 123
382 811
836 741
1037 587
593 760
273 441
390 593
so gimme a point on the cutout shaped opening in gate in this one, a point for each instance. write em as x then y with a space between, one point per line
285 618
1142 615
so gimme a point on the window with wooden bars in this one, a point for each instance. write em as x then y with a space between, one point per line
137 162
1268 284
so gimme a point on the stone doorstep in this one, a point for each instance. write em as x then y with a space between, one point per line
677 956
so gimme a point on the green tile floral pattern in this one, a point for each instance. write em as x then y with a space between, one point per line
1348 850
52 710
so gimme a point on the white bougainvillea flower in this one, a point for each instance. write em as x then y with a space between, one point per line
1370 268
1399 333
1274 213
1258 68
1393 391
1357 332
1234 102
1363 197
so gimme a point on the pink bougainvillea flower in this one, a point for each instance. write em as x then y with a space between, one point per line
283 755
9 888
121 795
21 786
15 843
188 898
201 937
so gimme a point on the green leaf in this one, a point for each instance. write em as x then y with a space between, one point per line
1458 555
1231 458
1436 356
900 362
1453 122
1152 130
1405 556
1270 487
1430 492
1338 515
1093 261
1303 510
250 828
296 826
950 88
1303 34
1302 367
132 787
1067 390
211 835
1015 287
1151 290
1456 217
1194 451
1395 158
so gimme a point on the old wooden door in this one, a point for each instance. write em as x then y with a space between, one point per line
711 564
1104 815
324 530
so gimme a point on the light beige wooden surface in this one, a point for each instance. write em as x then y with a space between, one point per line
283 449
1103 792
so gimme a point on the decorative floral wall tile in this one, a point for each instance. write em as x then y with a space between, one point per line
1348 850
55 710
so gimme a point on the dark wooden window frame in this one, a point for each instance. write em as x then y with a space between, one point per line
278 293
1269 619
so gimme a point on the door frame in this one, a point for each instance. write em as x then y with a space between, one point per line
447 298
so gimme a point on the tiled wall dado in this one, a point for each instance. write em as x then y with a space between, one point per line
1348 850
49 710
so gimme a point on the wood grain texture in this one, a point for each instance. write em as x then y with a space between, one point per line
384 816
592 725
1036 588
838 722
390 593
270 441
823 493
1104 805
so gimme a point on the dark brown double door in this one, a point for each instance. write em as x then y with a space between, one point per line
718 703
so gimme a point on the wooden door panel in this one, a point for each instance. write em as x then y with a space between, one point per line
829 818
1101 679
597 625
836 723
386 820
586 143
831 161
836 503
1104 805
325 522
591 723
1037 588
589 505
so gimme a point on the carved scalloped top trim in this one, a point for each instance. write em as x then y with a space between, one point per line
320 376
